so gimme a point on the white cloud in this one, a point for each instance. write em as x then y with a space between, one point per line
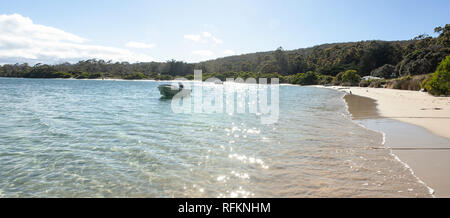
142 45
207 35
204 37
216 40
21 40
193 37
228 52
204 53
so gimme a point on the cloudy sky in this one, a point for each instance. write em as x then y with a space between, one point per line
192 31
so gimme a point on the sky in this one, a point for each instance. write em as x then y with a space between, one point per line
54 31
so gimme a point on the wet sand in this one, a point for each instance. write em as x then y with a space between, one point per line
361 107
427 154
418 108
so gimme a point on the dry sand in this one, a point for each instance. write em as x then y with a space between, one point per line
418 108
393 112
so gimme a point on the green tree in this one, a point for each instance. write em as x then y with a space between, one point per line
439 82
386 71
269 66
377 55
136 76
281 60
444 35
351 78
45 71
297 64
309 78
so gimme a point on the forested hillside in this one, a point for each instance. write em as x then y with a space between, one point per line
420 55
324 64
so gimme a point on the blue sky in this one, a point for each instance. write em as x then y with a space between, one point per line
199 30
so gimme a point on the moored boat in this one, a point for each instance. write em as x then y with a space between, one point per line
168 91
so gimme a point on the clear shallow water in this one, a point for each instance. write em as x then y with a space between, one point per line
78 138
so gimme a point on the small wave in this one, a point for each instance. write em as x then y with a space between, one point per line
430 190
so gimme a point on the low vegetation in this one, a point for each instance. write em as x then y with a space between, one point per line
135 76
406 83
438 83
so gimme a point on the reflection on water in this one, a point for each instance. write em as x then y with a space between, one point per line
71 138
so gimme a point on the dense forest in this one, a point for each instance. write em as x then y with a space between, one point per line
339 63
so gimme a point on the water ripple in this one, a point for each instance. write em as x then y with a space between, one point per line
73 138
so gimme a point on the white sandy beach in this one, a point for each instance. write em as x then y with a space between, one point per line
418 108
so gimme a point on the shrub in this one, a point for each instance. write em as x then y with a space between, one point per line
338 79
439 82
406 82
309 78
365 83
351 78
135 76
378 83
94 75
190 76
401 83
425 81
325 80
83 75
62 75
296 79
165 77
415 83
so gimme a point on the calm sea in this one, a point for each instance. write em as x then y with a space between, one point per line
79 138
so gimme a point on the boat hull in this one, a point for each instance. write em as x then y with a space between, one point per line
168 91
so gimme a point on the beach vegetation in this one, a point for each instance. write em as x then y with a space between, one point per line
190 77
308 78
46 71
365 83
325 79
350 78
164 77
337 80
135 76
438 83
86 75
406 82
378 83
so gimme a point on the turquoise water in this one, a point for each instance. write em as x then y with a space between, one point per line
80 138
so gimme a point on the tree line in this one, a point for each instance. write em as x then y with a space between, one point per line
322 64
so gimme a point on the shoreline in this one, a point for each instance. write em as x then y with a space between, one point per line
414 107
422 151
